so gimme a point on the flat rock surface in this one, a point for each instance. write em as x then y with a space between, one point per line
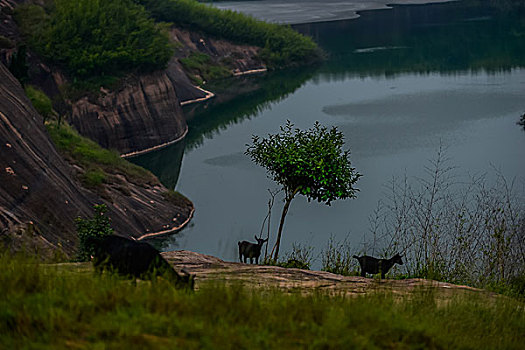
209 269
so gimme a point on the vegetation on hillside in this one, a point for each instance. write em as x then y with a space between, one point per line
202 65
67 306
90 229
40 101
96 38
282 46
99 164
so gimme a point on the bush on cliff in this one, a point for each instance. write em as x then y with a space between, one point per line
96 38
282 46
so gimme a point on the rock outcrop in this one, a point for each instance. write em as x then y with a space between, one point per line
145 113
211 270
142 115
239 59
40 196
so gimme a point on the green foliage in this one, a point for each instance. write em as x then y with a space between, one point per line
67 306
310 162
94 228
282 46
40 101
95 159
97 38
201 64
94 178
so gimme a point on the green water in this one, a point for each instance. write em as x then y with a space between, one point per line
397 82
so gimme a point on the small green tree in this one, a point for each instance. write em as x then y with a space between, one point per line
311 162
96 227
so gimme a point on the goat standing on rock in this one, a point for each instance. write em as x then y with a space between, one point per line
373 265
251 250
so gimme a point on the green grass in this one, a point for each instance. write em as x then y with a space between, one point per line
99 163
40 100
198 63
54 307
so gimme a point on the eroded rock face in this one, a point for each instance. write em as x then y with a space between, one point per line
144 114
35 183
40 196
239 58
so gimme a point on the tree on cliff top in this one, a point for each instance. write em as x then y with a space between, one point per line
311 162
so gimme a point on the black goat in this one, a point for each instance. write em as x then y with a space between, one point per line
135 259
251 250
373 265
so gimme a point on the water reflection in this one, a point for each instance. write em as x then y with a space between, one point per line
241 99
237 99
444 38
164 163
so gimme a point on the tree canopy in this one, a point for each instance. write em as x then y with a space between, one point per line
94 37
309 162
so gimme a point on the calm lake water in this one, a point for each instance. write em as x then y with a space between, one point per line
397 82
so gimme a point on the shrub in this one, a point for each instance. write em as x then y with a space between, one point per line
97 38
40 101
94 178
95 227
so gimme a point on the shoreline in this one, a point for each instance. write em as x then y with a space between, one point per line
169 231
274 12
155 148
208 96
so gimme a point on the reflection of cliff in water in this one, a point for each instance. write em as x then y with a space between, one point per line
164 163
442 38
236 99
239 99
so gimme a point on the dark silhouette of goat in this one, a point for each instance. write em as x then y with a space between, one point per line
251 250
373 265
135 259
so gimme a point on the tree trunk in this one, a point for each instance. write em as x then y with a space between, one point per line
281 224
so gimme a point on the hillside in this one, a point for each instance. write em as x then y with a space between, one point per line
41 194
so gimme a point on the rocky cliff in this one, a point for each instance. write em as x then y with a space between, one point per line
142 115
145 113
40 196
